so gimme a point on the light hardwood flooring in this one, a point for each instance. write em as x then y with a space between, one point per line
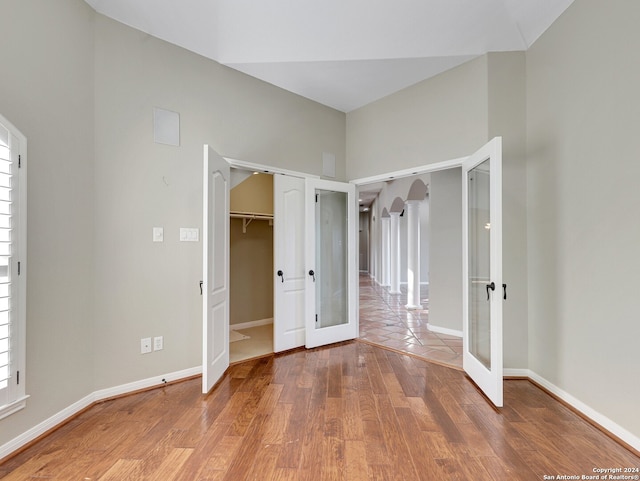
347 412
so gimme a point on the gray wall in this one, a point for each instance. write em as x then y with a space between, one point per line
46 91
441 118
82 88
445 286
583 118
148 289
250 271
507 118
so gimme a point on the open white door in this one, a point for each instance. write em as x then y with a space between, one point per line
331 262
289 262
215 288
482 268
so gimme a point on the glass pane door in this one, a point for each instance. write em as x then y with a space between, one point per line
479 260
482 269
331 257
332 300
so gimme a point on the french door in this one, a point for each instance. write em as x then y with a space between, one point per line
331 262
315 291
483 290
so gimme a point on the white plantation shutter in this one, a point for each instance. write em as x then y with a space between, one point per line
12 304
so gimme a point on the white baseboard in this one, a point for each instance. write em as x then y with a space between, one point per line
145 383
68 412
525 373
444 330
38 430
247 325
601 420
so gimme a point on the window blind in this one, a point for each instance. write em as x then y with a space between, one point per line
6 168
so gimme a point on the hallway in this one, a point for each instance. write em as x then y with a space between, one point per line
385 321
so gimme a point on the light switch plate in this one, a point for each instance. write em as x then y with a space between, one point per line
158 234
189 234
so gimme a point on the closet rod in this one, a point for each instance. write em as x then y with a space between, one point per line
248 217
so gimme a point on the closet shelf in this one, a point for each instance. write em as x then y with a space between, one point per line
248 217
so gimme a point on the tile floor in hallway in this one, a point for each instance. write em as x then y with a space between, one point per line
386 322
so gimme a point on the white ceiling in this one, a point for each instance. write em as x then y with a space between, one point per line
341 53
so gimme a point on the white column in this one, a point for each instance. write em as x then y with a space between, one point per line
394 253
412 212
384 271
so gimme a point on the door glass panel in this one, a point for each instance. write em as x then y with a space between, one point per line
331 259
479 262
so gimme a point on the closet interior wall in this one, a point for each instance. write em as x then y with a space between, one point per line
251 250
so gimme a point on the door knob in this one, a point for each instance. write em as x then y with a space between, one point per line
281 274
313 274
491 286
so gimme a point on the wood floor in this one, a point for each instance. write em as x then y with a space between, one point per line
347 412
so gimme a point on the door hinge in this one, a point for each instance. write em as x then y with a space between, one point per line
18 377
316 318
19 161
316 198
18 267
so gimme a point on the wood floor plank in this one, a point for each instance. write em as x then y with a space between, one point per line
276 425
171 465
129 469
423 460
394 439
349 412
355 456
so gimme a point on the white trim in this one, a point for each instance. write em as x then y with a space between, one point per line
423 169
267 169
603 421
145 383
444 330
13 407
508 372
68 412
249 324
18 298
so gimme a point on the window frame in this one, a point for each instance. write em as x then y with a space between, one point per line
17 396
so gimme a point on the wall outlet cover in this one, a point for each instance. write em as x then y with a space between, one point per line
158 234
145 345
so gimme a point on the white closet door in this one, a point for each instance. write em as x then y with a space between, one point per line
289 262
215 239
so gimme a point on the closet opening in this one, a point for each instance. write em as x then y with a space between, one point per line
251 265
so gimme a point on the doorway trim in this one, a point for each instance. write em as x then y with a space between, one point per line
423 169
266 169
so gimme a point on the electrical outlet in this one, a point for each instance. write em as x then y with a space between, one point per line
145 345
158 343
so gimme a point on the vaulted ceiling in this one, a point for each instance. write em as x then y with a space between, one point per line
341 53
